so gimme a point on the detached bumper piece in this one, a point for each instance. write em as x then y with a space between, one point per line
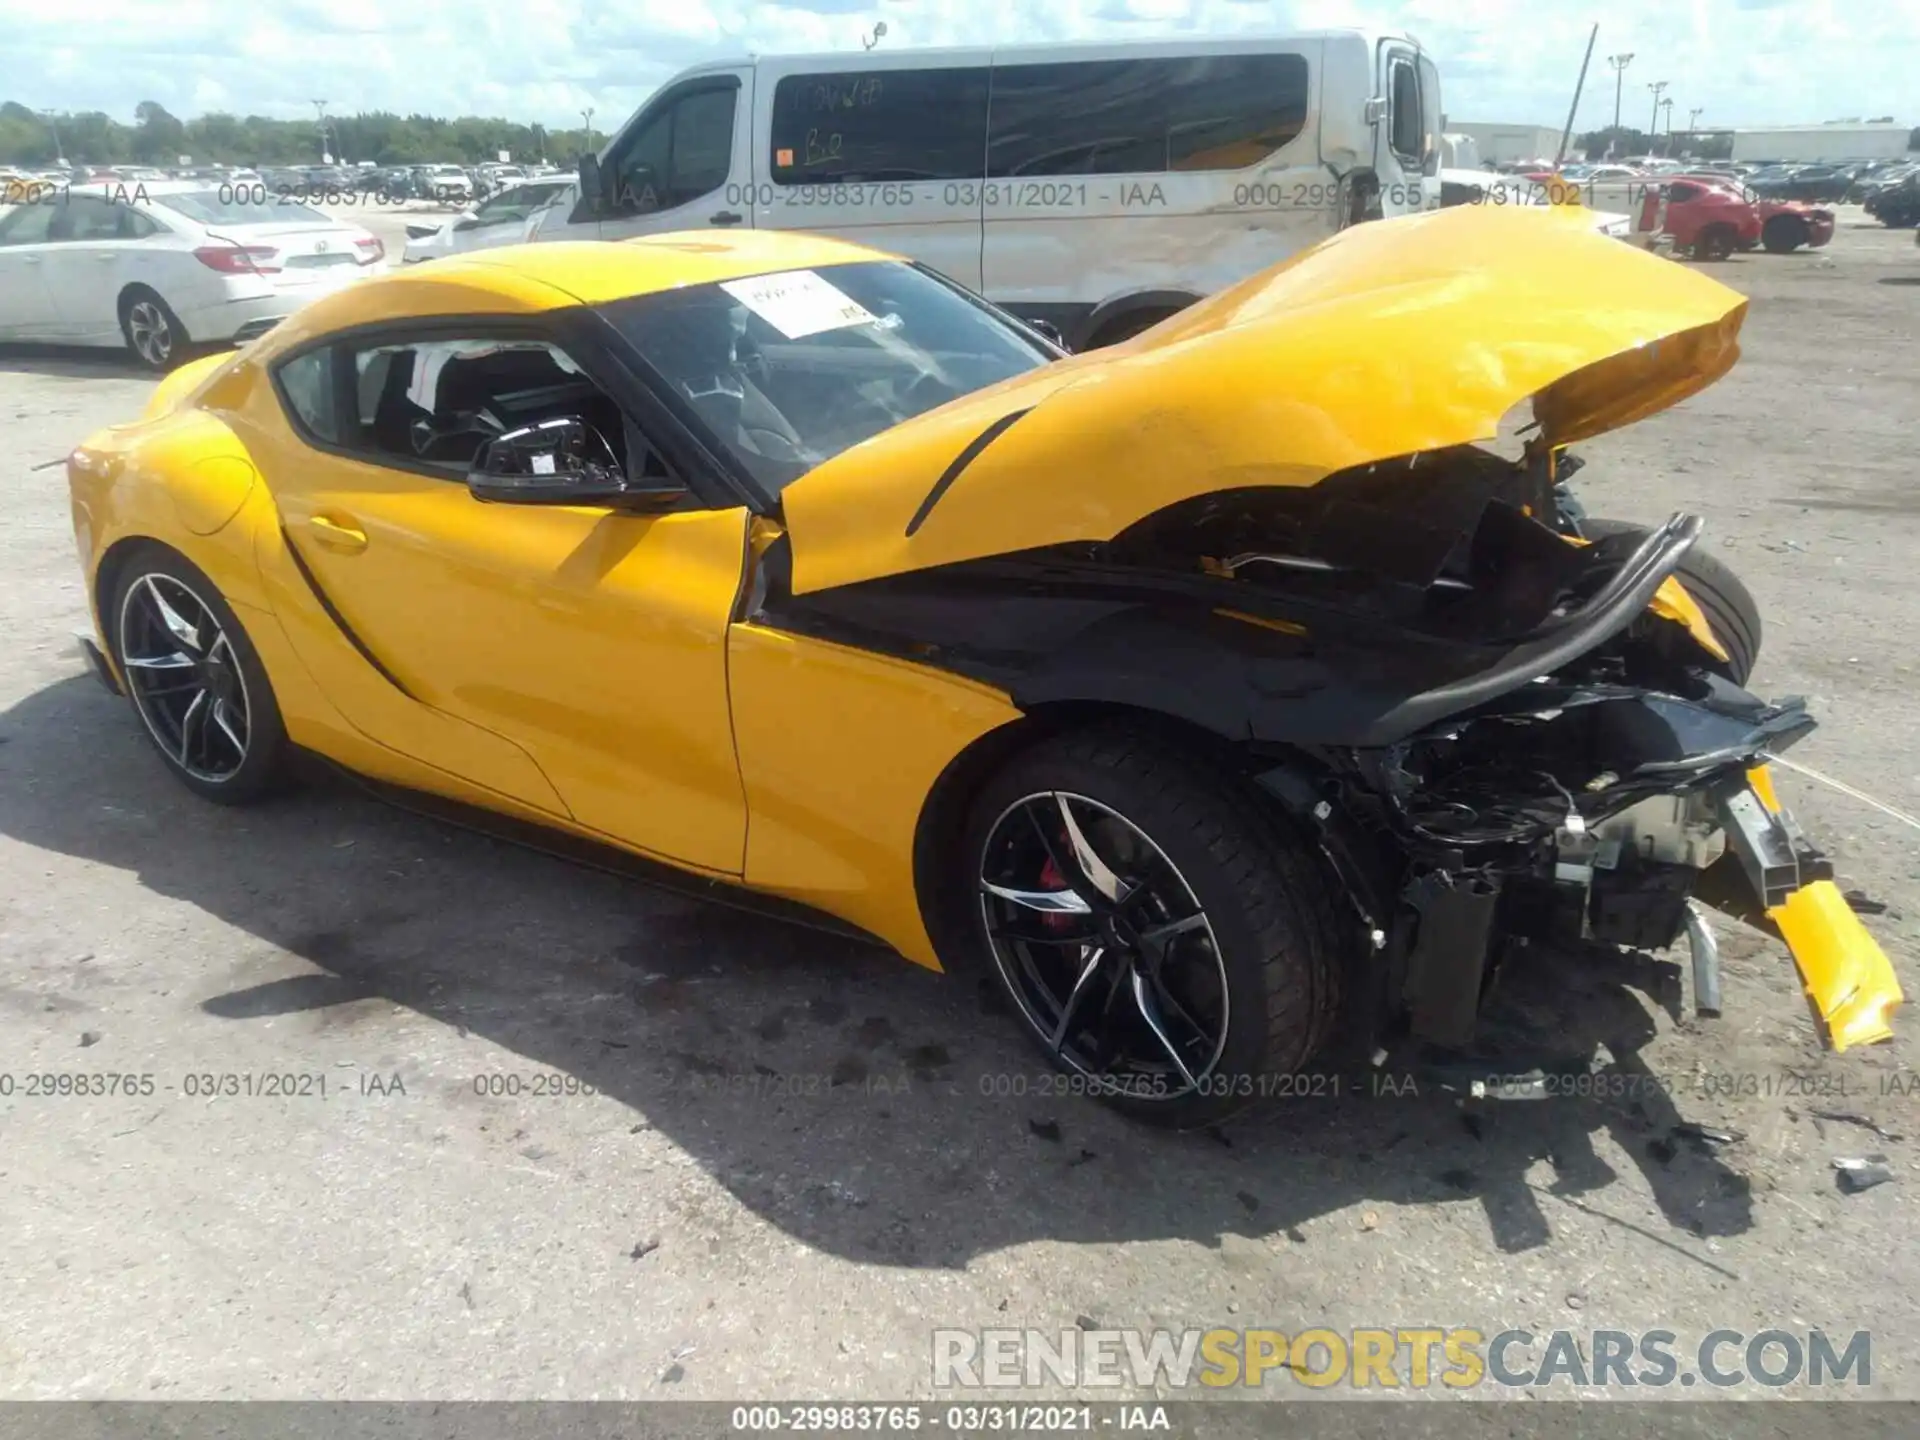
1850 984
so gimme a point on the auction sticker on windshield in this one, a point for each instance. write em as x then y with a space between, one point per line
798 303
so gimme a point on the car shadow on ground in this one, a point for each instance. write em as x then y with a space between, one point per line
72 362
865 1106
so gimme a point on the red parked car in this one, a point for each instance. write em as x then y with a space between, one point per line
1785 225
1709 221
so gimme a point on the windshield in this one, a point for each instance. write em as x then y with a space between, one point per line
242 206
788 370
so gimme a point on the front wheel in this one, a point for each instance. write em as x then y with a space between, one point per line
1722 596
1164 940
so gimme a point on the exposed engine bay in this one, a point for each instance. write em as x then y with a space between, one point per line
1500 733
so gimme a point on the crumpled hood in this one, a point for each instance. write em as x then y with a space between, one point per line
1388 339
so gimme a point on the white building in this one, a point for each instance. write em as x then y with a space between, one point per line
1504 144
1820 142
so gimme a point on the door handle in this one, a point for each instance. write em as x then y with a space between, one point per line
725 217
337 534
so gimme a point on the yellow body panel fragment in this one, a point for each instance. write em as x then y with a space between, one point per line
1850 983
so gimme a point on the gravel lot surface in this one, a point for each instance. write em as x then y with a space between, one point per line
788 1172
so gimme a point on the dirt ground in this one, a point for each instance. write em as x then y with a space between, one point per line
794 1164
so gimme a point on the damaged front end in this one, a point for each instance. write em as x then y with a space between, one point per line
1578 769
1272 521
1503 735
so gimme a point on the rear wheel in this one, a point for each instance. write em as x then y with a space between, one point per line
1715 243
153 332
1727 603
194 678
1164 941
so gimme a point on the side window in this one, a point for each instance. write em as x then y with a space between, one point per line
1681 192
28 224
876 126
1226 112
1407 127
679 153
434 404
85 217
702 144
1116 117
307 383
137 224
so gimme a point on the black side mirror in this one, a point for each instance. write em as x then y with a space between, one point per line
560 462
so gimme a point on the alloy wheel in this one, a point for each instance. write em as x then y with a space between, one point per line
152 335
184 677
1104 947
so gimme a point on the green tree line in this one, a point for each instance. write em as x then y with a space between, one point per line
155 137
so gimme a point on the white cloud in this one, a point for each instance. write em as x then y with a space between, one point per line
1738 61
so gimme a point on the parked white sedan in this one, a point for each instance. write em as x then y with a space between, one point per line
161 266
502 220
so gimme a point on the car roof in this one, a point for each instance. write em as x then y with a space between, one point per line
528 279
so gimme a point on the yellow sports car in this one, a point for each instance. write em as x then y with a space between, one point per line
1187 686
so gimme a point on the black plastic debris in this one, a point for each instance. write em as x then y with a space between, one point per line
1849 1117
1863 903
1704 1137
1857 1175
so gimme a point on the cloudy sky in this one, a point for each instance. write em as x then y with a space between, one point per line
1739 61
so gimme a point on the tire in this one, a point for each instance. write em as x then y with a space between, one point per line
1126 327
1246 988
155 337
1715 243
1727 603
233 747
1783 235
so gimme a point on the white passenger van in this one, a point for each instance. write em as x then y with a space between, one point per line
1095 187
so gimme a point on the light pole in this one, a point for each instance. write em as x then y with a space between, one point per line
1667 105
320 119
587 115
59 150
1619 64
1656 87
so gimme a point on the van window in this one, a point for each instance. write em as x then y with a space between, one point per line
1407 126
880 125
1119 117
681 152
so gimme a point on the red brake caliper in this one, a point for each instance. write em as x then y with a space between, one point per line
1052 879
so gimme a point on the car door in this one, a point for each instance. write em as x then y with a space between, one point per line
592 639
684 163
26 303
107 244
